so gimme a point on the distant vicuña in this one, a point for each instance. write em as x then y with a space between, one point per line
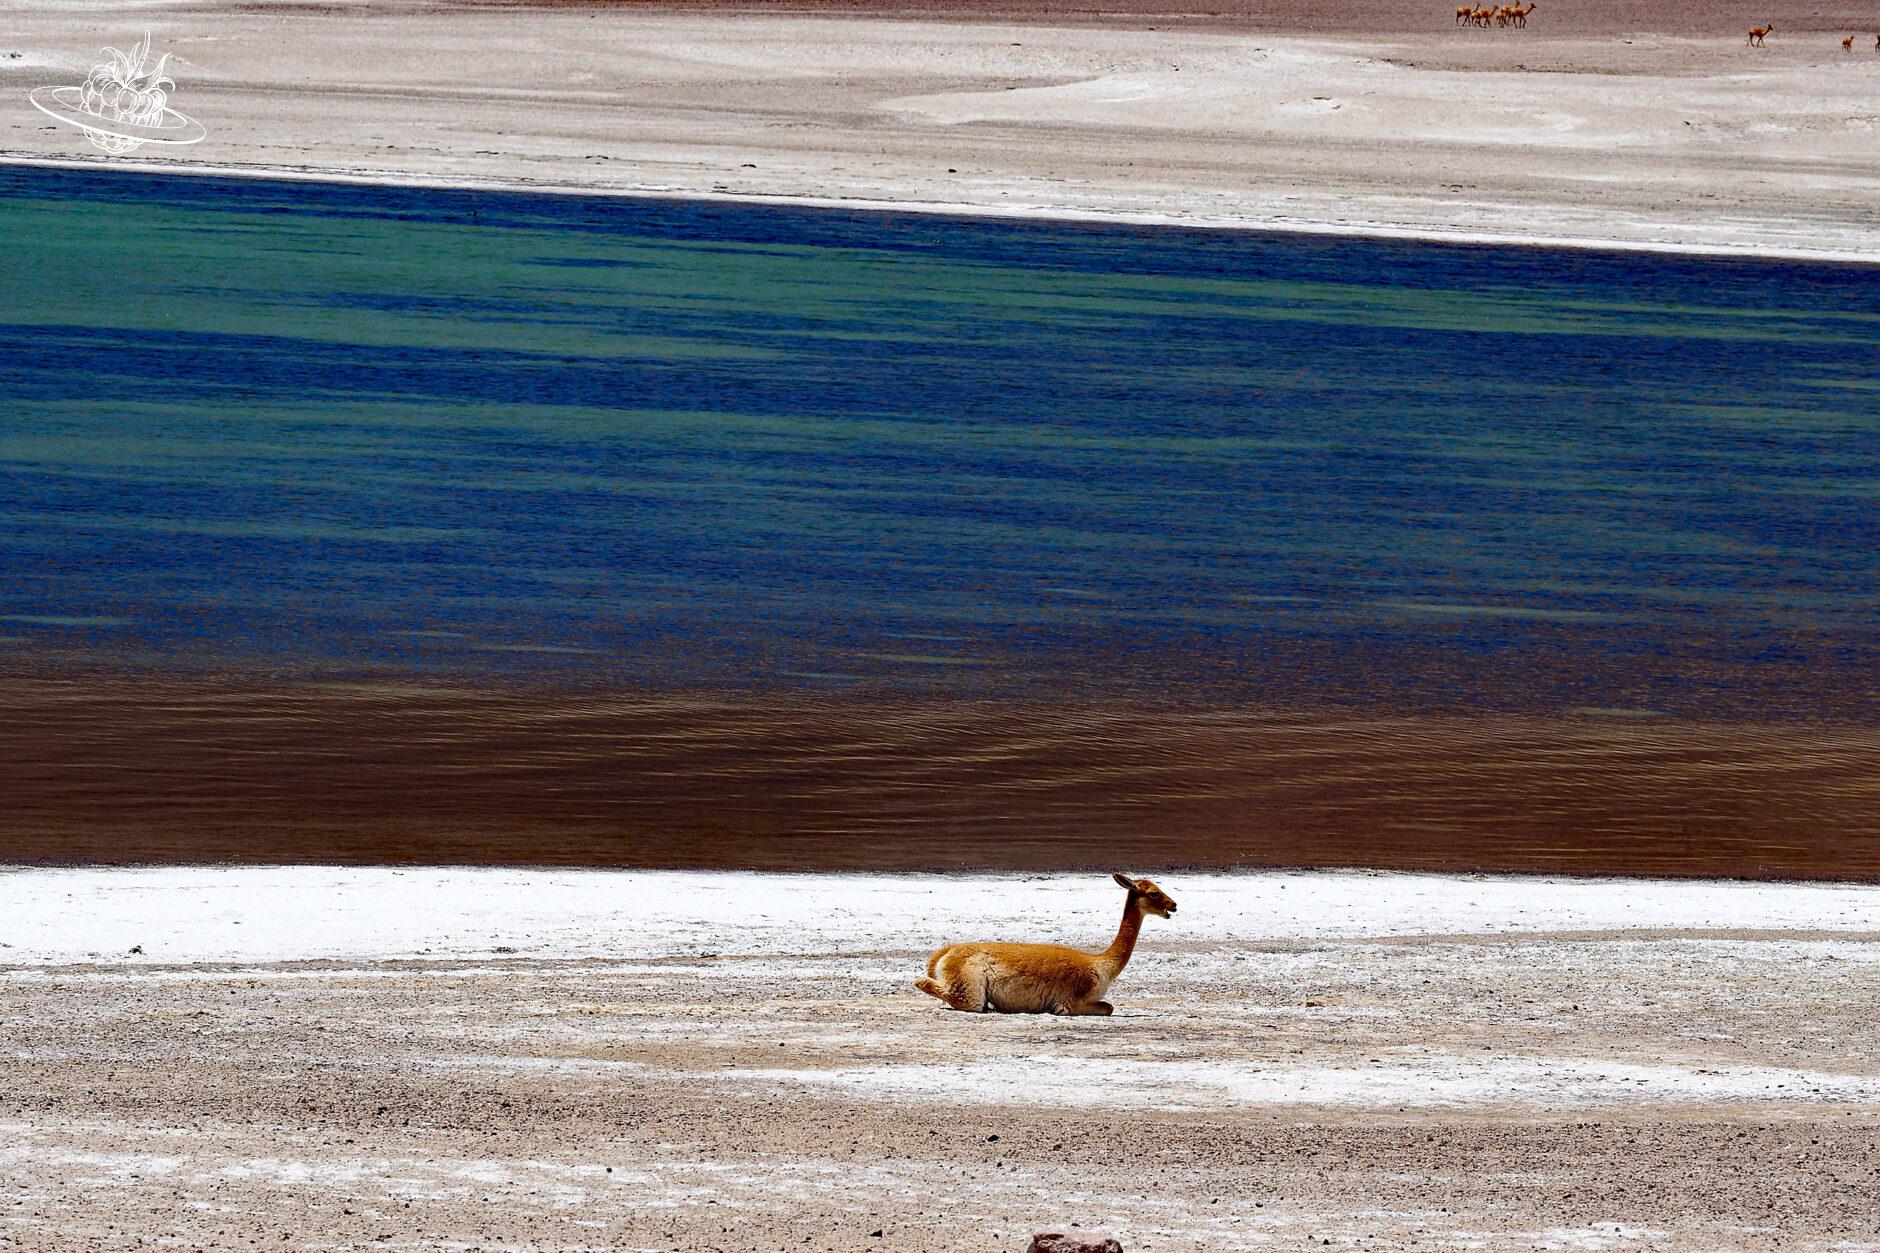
1042 978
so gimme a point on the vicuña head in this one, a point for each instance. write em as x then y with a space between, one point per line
1043 978
1146 896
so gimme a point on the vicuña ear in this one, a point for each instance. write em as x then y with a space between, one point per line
1125 881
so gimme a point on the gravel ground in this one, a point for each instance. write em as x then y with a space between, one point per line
1595 1089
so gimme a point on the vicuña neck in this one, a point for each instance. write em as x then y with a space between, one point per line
1125 942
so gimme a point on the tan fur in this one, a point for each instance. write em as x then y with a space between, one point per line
1756 33
1042 978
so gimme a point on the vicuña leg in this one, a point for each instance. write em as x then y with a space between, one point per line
1094 1009
970 999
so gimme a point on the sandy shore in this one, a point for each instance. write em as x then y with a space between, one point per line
330 1059
1602 124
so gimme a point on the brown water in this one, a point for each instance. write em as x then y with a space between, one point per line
143 769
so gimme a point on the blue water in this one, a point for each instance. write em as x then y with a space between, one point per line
319 431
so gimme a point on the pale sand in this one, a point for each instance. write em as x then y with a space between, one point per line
732 1061
1599 123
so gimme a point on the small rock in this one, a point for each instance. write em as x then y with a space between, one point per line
137 948
1055 1242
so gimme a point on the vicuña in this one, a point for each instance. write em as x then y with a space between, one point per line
1042 978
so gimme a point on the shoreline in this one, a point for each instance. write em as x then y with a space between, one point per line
1573 133
967 209
14 865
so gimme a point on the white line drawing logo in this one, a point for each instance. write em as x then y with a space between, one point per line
122 105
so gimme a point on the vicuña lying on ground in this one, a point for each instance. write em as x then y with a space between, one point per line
1042 978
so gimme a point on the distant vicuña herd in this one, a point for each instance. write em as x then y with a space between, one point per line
1505 15
1758 33
1517 15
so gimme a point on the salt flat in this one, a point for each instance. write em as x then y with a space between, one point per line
526 1059
184 915
1601 123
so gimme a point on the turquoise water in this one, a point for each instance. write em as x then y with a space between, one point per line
349 428
323 433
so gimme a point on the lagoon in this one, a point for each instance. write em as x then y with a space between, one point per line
683 508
